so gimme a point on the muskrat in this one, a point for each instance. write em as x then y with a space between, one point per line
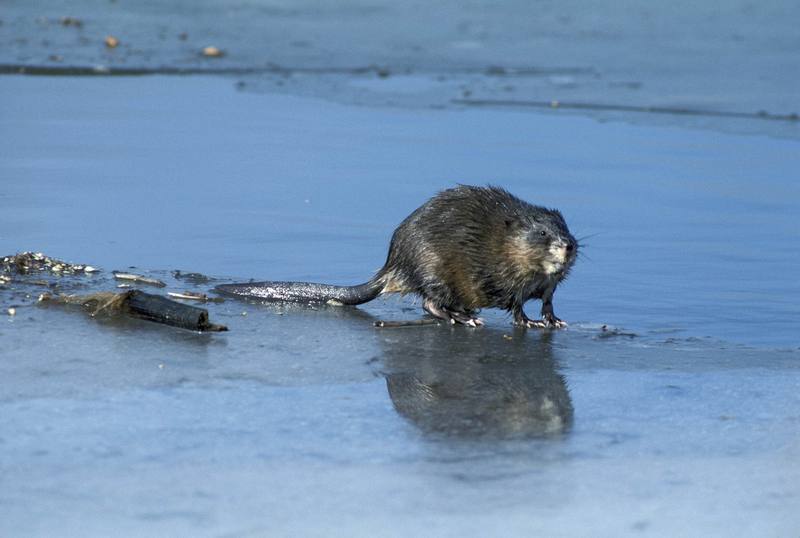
464 249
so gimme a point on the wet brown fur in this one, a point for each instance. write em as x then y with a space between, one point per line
473 247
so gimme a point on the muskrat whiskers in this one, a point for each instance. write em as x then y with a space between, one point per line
580 239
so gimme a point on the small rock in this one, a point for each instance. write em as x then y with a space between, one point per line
71 21
111 41
213 52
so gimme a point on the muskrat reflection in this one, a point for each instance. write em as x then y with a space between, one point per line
479 384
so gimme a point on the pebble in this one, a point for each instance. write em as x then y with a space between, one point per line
213 52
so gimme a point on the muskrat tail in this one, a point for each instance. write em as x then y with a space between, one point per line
305 292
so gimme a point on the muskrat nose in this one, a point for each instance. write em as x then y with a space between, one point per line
570 247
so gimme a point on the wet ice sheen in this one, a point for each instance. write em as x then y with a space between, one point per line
310 421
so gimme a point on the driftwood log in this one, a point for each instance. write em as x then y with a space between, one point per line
141 305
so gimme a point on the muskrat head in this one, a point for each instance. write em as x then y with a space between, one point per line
553 245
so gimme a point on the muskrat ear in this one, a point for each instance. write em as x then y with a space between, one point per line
508 223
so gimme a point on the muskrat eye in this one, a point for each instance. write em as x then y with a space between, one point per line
543 233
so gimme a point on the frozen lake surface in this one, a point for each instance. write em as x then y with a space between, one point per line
311 422
680 419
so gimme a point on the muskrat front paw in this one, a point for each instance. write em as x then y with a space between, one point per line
553 322
547 322
531 324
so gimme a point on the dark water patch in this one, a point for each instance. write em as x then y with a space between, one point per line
760 115
379 71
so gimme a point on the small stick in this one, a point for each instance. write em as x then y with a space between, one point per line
410 323
191 296
188 295
139 278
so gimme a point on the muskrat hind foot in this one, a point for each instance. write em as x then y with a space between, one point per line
465 319
451 315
